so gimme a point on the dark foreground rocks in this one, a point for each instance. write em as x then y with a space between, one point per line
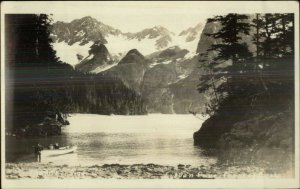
49 124
266 140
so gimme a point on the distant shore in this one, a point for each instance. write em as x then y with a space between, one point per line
117 171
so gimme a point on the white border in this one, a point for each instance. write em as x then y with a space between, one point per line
226 7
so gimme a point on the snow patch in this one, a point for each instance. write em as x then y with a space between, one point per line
103 68
80 34
166 62
68 54
182 76
120 44
190 55
91 56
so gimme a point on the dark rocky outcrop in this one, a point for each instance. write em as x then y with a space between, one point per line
98 57
213 128
171 53
50 125
130 70
262 139
265 140
133 57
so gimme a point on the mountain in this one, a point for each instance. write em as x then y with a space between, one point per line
98 58
130 70
82 31
156 63
133 56
74 39
167 81
161 78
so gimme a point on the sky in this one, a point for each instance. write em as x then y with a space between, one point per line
133 16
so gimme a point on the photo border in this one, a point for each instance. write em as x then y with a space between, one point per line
250 7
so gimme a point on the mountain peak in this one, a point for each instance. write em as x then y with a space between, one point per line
135 51
86 17
99 48
86 21
159 27
133 56
192 32
98 57
162 30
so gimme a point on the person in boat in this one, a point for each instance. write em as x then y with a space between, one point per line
37 151
56 146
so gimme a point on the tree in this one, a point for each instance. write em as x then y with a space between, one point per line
231 62
43 84
242 81
274 42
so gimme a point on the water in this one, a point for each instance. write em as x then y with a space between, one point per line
155 138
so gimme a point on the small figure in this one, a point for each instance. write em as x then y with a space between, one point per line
56 146
37 151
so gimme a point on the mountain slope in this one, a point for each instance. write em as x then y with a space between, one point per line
130 69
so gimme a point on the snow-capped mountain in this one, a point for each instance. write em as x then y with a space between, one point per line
82 30
157 63
73 40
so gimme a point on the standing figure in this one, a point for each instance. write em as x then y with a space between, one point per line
37 150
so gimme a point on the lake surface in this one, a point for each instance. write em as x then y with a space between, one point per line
154 138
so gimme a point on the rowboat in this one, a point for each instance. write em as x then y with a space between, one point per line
58 152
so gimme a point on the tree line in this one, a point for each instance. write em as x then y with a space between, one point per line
243 80
42 85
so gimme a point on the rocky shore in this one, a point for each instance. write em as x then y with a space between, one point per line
135 171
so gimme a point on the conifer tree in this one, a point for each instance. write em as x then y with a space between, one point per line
232 59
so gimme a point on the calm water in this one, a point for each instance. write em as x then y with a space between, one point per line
161 139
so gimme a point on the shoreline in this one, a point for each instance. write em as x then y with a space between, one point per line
134 171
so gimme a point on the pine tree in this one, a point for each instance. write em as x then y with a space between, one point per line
275 57
43 84
232 61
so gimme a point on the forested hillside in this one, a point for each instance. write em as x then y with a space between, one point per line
250 76
42 89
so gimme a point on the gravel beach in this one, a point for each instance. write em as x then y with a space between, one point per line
117 171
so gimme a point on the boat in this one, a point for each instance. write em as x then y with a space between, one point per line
58 152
